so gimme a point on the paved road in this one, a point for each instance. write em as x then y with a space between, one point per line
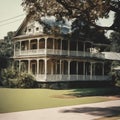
78 112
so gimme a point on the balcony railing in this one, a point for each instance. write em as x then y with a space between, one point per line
55 78
58 52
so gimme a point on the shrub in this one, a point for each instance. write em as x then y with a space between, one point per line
26 81
9 77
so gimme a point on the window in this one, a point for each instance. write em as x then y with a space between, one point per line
37 28
29 30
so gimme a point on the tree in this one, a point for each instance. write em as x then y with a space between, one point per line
115 47
115 42
82 10
6 51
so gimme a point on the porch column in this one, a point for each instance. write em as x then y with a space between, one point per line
45 61
37 66
19 65
91 70
28 66
103 71
77 69
60 69
51 67
84 74
69 69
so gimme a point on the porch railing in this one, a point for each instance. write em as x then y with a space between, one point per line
55 78
58 52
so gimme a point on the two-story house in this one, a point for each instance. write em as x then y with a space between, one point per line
52 58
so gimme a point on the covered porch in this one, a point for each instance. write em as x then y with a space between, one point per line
53 70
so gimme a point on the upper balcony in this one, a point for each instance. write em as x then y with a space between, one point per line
44 52
55 46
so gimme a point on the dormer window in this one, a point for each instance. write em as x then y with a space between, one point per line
37 28
29 30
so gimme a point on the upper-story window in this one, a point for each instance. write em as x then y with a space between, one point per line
50 43
34 44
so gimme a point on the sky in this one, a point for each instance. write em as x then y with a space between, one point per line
13 9
10 9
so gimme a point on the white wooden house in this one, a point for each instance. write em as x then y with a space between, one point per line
53 58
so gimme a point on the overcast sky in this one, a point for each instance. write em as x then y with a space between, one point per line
10 9
13 9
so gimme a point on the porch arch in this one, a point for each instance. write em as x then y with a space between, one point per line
73 67
42 43
41 67
64 67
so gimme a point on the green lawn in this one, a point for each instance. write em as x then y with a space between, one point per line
12 100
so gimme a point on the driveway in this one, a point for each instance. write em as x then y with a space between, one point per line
78 112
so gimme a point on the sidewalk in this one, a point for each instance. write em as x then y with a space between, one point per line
77 112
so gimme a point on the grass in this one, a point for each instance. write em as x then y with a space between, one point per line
12 100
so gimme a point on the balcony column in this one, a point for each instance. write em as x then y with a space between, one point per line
46 45
68 47
20 47
14 47
84 48
38 44
29 45
29 66
77 47
61 48
53 45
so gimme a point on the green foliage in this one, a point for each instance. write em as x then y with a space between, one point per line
87 10
115 47
9 77
13 79
115 42
26 81
116 77
6 51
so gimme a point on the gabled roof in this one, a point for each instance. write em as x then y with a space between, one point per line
47 20
22 24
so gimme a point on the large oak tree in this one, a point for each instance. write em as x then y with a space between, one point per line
83 10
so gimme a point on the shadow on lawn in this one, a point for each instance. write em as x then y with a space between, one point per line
84 92
96 111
